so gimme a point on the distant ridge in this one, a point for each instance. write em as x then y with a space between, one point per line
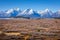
29 13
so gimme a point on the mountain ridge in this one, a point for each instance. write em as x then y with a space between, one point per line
29 13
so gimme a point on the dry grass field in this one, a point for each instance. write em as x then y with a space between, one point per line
30 29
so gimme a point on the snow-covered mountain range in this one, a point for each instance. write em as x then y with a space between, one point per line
29 13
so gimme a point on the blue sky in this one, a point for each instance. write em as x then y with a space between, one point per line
53 5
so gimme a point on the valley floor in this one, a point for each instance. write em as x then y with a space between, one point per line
30 29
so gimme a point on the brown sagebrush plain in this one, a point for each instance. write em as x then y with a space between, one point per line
30 29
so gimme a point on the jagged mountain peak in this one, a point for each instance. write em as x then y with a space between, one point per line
46 10
27 11
11 10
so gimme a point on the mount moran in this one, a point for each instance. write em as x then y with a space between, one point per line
29 13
